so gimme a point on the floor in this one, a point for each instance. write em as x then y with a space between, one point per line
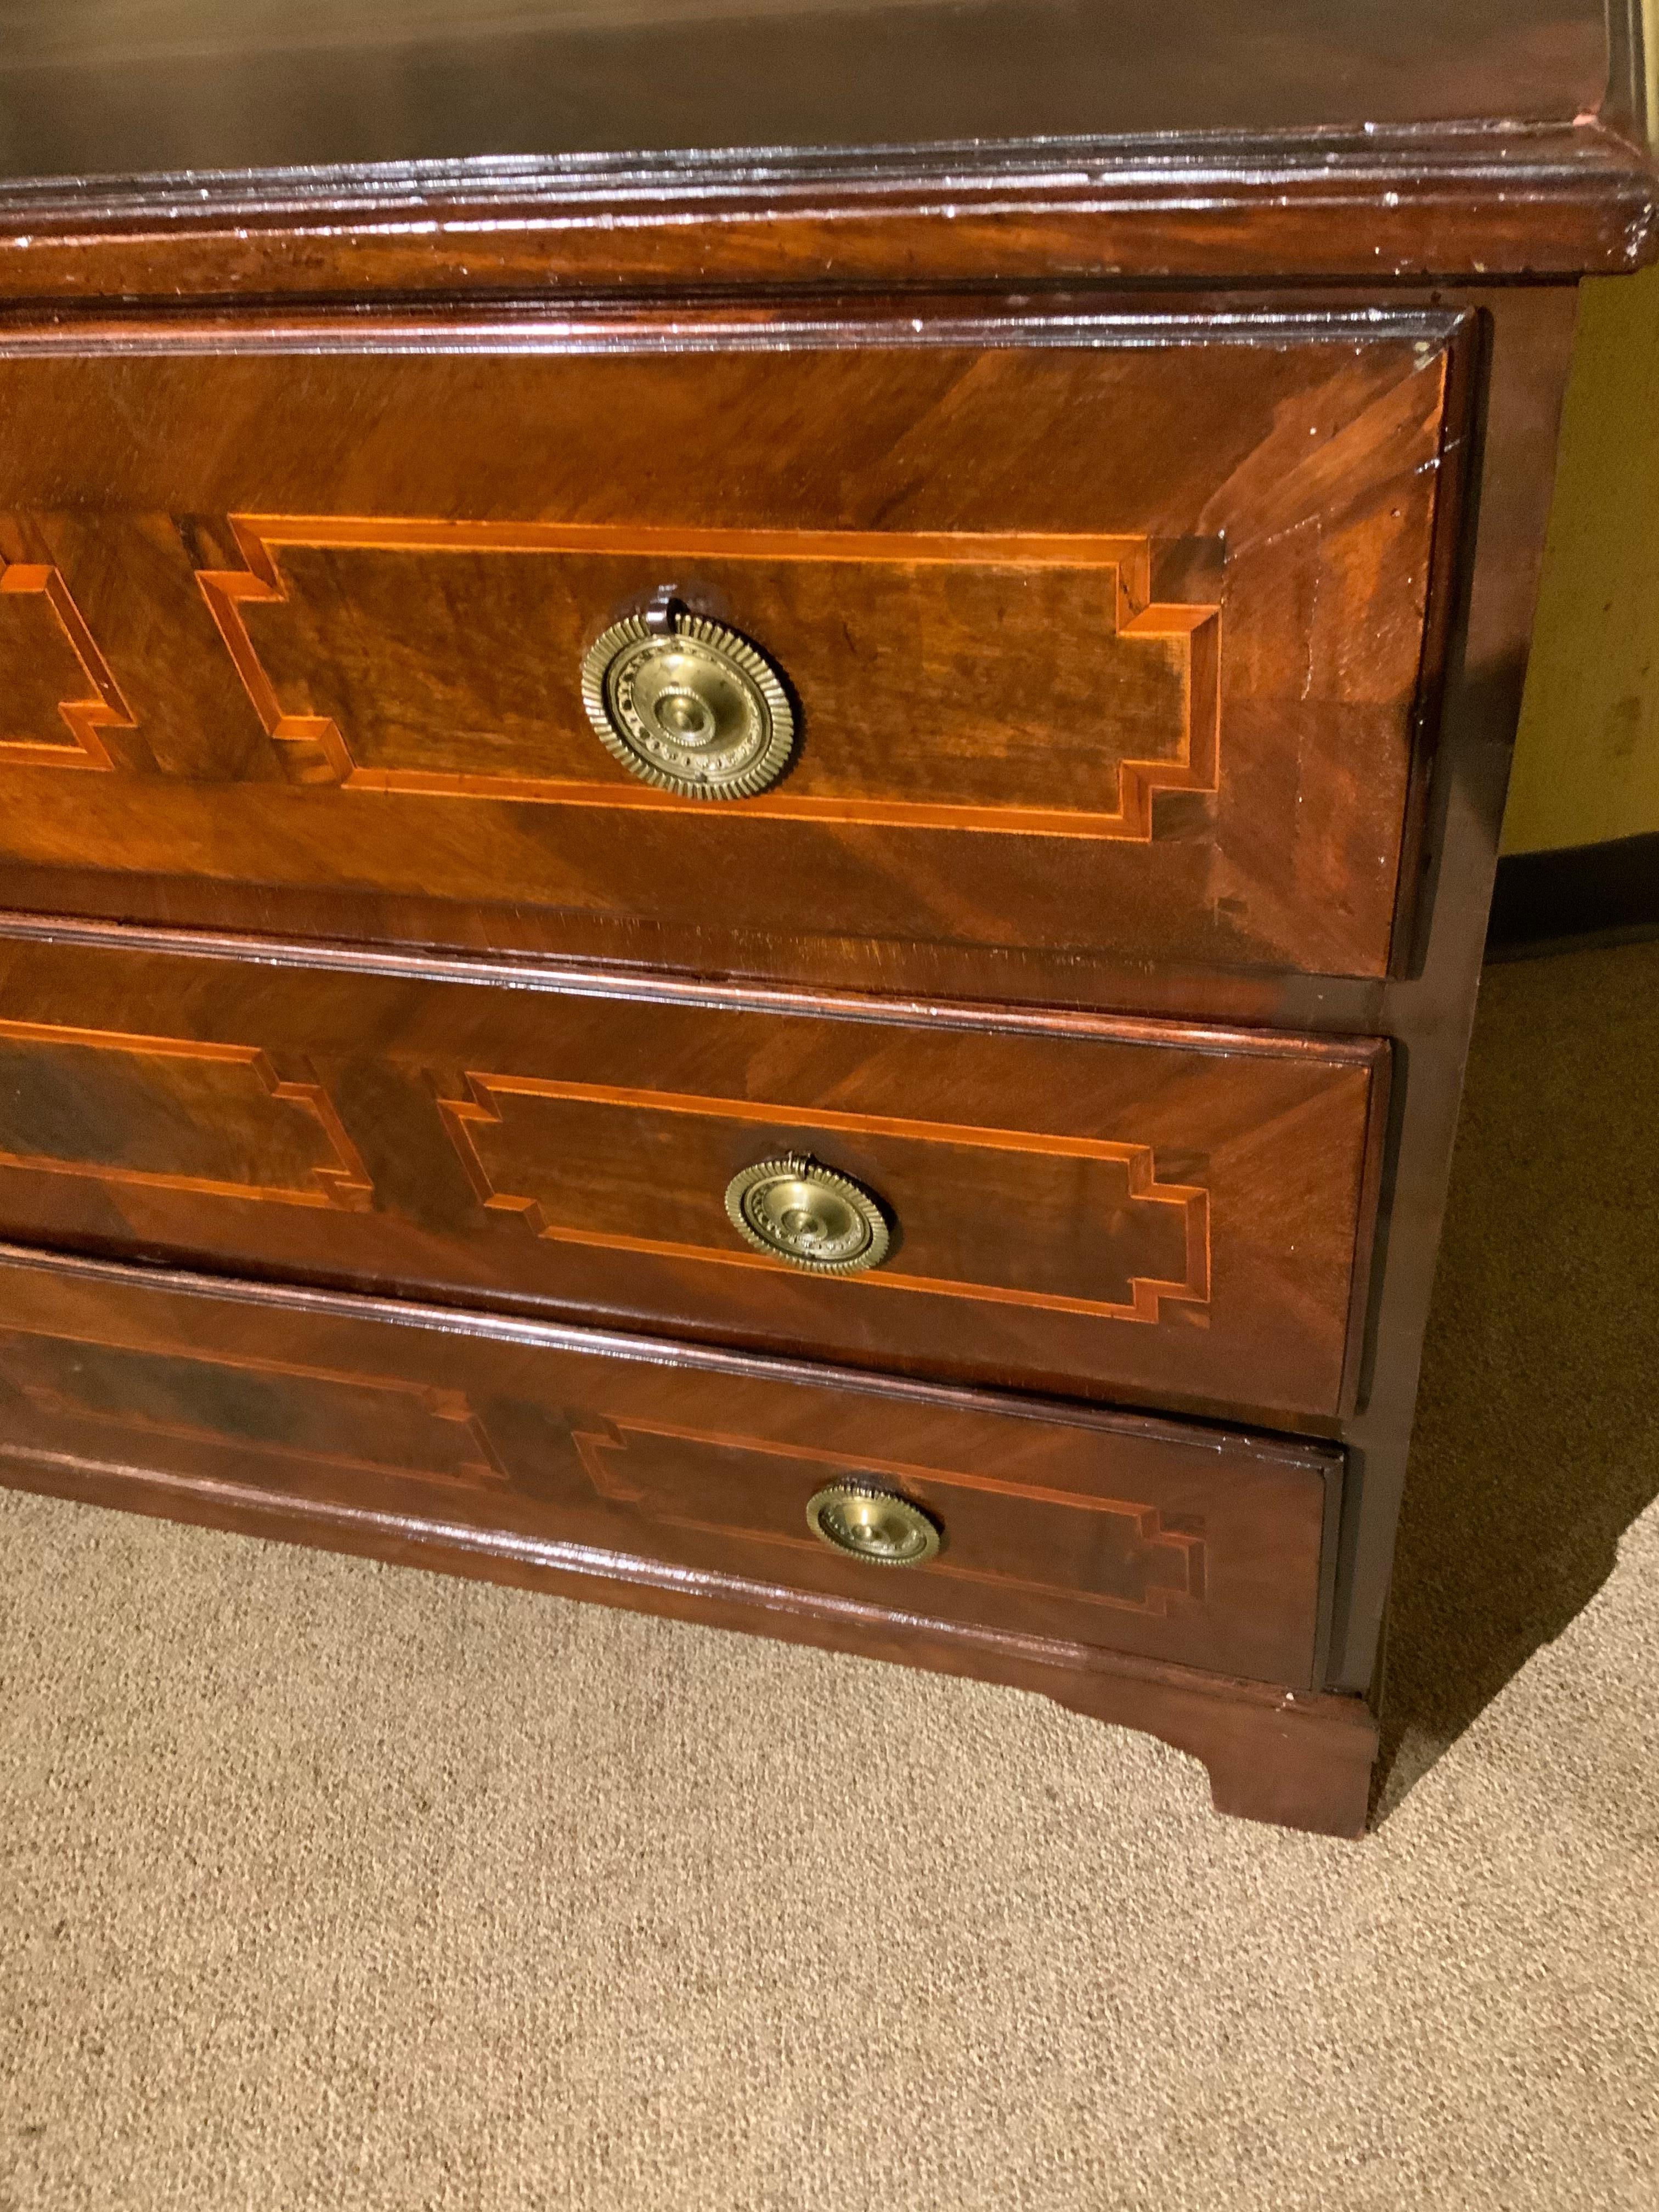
325 1885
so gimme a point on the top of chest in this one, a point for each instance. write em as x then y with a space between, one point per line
151 148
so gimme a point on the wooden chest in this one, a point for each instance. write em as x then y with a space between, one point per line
751 883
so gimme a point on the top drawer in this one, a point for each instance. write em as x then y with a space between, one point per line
1090 634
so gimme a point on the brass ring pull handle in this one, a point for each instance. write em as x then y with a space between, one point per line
687 705
872 1523
808 1215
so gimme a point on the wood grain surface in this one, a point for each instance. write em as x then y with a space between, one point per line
598 1455
102 86
1146 655
1105 638
1378 207
163 149
1013 685
1089 1204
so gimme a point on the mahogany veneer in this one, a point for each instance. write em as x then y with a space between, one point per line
1180 1215
1104 633
594 1452
1131 444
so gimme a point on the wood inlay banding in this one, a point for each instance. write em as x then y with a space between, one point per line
172 1113
659 1468
987 709
504 1150
316 1417
1104 1550
97 706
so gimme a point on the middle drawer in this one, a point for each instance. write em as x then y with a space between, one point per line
1066 1202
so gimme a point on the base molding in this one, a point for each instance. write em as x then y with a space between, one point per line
1297 1758
1581 895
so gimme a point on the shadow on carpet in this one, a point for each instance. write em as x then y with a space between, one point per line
1537 1438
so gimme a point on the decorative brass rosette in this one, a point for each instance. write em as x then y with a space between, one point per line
809 1215
872 1523
692 708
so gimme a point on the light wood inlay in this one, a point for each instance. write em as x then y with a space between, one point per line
173 1114
57 640
1108 636
1104 1550
523 1165
345 1423
976 656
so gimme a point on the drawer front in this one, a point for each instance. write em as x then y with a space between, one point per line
600 1454
1070 1202
1102 635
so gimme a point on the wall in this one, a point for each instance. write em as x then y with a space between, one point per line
1587 765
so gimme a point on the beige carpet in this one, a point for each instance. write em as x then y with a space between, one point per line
328 1885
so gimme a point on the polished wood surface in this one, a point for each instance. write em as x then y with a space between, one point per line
1431 1011
1093 1205
1148 526
96 86
1012 685
1301 1760
1147 677
1384 208
601 1457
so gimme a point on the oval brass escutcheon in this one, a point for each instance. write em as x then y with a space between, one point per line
692 708
808 1214
872 1523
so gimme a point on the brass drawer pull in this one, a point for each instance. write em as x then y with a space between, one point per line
808 1215
689 705
872 1523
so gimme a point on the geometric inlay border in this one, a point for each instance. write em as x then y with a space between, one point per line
345 1186
604 1458
476 1461
84 718
463 1116
313 750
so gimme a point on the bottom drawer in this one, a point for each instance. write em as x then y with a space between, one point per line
626 1458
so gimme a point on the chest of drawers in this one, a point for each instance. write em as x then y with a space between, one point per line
751 883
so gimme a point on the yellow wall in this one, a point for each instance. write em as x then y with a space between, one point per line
1587 766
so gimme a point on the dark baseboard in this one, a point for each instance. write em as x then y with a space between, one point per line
1586 895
